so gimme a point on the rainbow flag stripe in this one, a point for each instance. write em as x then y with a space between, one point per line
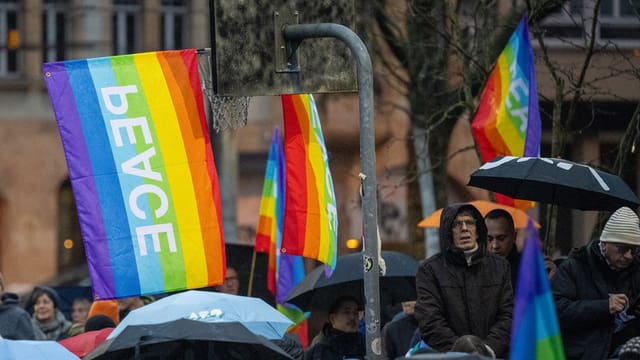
310 216
137 145
535 332
507 121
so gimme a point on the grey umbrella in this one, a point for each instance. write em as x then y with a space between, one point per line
554 181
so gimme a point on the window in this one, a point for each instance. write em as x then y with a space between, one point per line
126 26
619 23
54 33
9 38
173 24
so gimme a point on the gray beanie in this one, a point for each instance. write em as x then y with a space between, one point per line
622 227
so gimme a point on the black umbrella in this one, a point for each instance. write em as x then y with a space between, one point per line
554 181
316 291
188 339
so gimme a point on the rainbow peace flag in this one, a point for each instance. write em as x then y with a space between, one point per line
269 230
284 271
137 145
310 215
535 332
508 119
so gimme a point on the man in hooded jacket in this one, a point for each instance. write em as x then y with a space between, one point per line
596 291
464 290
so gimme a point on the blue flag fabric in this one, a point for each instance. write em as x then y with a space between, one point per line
535 332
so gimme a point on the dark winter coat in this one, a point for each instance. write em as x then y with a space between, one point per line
456 298
581 289
514 262
332 344
15 322
397 335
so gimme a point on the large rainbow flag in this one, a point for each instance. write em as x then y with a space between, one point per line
135 136
310 216
535 332
507 121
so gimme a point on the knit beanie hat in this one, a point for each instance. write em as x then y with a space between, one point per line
105 307
631 349
622 227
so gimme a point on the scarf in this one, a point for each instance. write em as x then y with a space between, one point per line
54 329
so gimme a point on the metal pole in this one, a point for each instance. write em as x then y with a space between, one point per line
367 162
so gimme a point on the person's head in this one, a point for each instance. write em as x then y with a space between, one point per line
108 308
126 305
231 283
471 344
501 233
462 228
45 302
409 307
80 310
620 238
99 322
344 314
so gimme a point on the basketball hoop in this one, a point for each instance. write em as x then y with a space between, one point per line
227 112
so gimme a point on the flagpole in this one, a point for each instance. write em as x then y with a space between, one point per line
251 272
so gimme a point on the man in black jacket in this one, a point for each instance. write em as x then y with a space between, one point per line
596 291
464 290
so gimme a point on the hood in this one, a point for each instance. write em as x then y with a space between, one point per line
446 221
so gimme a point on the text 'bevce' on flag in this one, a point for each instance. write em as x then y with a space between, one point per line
137 145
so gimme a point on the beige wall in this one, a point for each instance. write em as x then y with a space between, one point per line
32 168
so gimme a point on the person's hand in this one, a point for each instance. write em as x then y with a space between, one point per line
550 266
617 303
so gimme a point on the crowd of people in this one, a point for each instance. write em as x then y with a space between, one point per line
465 298
465 294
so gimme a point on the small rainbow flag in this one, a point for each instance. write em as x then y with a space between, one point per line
535 332
285 271
135 136
310 216
507 121
269 230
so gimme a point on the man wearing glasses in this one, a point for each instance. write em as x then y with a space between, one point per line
596 291
464 290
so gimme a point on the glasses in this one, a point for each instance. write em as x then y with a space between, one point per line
457 224
623 249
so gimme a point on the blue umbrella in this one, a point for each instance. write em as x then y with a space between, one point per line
34 350
255 314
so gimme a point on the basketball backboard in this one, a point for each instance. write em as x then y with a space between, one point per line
249 55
